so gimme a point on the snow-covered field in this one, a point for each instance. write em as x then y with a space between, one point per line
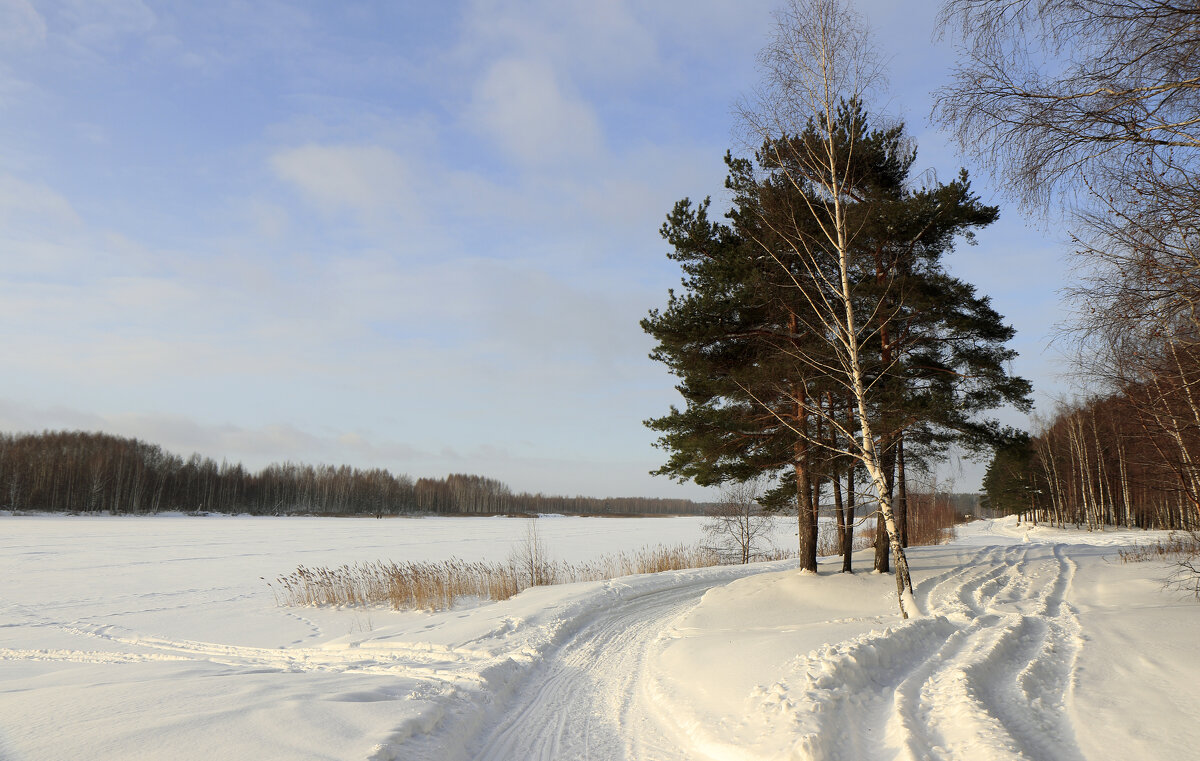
156 638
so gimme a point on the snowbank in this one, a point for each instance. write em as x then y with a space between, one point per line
1031 643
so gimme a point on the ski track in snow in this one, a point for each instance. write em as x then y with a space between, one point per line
422 661
587 702
584 701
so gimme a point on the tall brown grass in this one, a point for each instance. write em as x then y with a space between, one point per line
827 539
438 586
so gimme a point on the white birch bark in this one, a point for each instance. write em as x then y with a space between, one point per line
822 56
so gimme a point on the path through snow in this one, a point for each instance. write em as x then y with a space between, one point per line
988 670
586 701
982 673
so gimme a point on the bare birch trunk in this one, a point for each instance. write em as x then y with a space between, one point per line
902 498
821 57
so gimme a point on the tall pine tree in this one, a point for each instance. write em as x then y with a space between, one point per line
758 366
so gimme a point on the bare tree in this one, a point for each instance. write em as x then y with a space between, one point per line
528 557
737 527
1094 106
1055 92
820 65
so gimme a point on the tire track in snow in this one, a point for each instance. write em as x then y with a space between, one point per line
984 675
926 588
585 700
587 704
996 689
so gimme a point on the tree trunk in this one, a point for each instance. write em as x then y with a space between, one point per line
843 548
887 461
902 500
806 526
847 558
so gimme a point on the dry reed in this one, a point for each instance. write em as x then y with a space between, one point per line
1177 546
829 545
438 586
1182 549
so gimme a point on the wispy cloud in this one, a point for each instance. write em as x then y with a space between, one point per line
412 234
366 179
21 26
105 25
524 108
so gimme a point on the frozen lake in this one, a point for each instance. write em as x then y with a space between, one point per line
59 561
112 629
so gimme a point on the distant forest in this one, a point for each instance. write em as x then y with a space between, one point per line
78 472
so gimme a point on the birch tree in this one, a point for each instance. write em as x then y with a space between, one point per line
820 64
819 324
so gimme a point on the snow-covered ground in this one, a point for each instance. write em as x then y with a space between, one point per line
157 639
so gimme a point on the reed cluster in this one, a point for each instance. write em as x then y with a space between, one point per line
1181 549
1179 545
829 543
438 586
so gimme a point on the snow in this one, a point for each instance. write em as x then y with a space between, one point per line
156 638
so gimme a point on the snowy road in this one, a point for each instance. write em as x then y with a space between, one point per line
586 703
585 699
983 672
997 686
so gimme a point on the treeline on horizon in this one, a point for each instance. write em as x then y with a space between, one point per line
82 472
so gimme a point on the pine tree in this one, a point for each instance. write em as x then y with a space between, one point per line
758 366
786 337
1008 484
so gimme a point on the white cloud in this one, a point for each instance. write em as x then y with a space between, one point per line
364 178
522 105
602 42
21 26
254 446
106 24
34 206
269 220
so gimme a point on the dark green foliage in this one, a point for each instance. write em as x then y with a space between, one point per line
757 357
715 339
1008 484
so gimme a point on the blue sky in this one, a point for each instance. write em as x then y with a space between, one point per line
410 235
